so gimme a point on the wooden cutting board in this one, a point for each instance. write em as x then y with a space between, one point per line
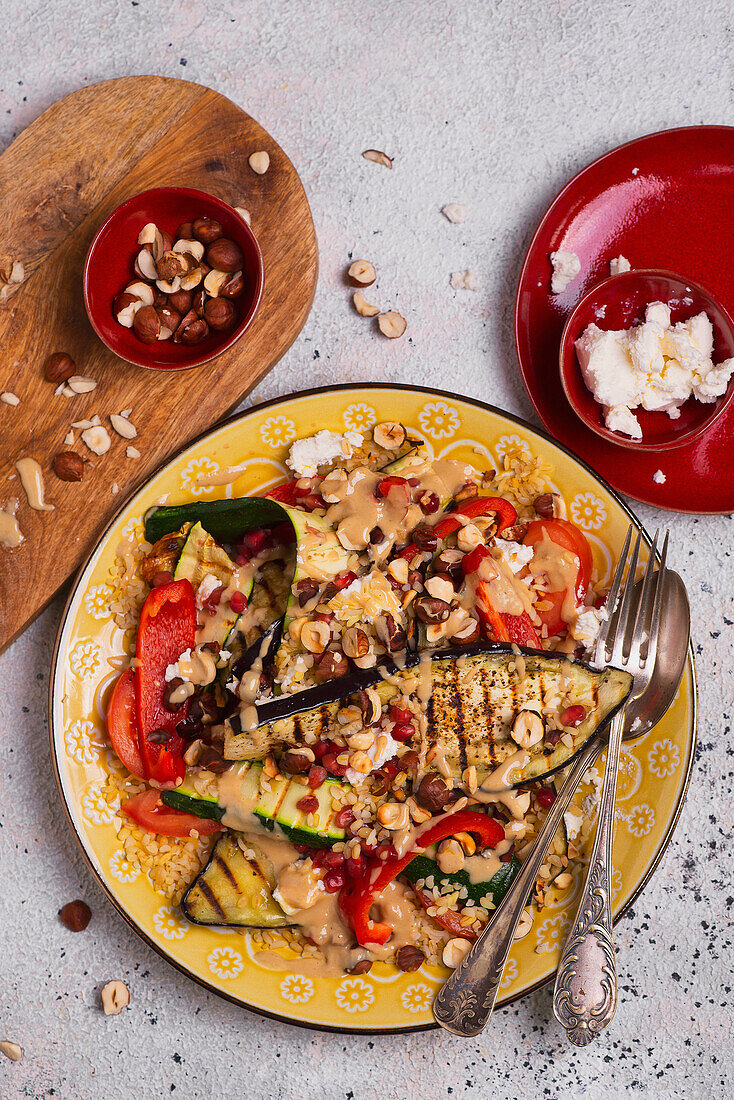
59 180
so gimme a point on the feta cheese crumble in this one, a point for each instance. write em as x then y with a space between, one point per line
587 624
515 554
174 671
464 280
566 267
208 585
378 759
654 366
306 455
618 265
659 477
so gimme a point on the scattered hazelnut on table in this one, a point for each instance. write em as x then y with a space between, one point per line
59 367
378 157
13 1051
362 306
361 273
68 466
75 915
259 162
115 996
219 313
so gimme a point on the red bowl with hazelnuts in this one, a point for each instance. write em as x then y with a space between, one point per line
172 279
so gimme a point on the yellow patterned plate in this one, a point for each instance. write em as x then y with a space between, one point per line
655 770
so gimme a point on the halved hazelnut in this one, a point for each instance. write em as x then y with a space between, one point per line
206 230
527 729
392 324
378 157
147 324
315 636
214 282
362 306
170 318
192 278
145 264
169 288
125 307
192 330
220 314
115 996
170 265
234 286
361 273
225 255
149 234
259 162
390 435
355 642
193 248
143 291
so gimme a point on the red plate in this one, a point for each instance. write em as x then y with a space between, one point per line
666 201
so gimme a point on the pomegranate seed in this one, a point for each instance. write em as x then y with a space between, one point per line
254 542
507 856
414 482
368 850
400 714
402 731
308 804
386 850
344 580
344 817
325 858
241 558
320 749
334 880
573 716
333 766
356 868
316 776
161 578
429 503
546 796
391 767
237 602
214 598
303 848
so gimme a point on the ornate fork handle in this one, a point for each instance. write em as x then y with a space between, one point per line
585 994
465 1002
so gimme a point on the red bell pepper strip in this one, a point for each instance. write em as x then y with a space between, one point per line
568 537
167 628
283 494
520 630
147 810
356 899
450 920
469 509
122 723
497 626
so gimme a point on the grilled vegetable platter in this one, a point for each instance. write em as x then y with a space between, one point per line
360 690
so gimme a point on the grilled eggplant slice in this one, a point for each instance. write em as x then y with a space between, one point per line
474 695
216 895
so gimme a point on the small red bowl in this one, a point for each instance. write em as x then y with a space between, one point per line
109 268
619 302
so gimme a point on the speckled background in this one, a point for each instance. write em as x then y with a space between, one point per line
493 104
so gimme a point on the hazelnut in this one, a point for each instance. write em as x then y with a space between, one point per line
59 367
392 324
169 288
68 466
331 666
456 951
390 435
170 265
430 609
192 333
362 306
355 642
115 996
76 915
206 230
125 307
214 281
219 314
191 248
225 255
151 235
361 273
170 318
259 162
145 264
433 793
409 958
315 636
550 506
378 157
147 324
14 1051
97 438
180 301
192 278
185 231
143 291
234 286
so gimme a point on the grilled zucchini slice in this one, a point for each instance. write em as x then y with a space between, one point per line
216 895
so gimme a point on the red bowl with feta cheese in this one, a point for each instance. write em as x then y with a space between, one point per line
620 302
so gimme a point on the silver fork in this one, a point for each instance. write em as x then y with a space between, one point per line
465 1001
585 993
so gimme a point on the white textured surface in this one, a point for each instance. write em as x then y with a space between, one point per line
493 105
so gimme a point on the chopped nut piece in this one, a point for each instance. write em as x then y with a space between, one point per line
132 452
195 248
362 306
456 951
464 280
259 162
69 439
115 997
315 636
143 291
244 214
214 281
389 435
563 880
13 1051
527 729
450 856
145 265
97 439
550 506
454 212
361 273
123 426
392 324
377 157
81 385
9 398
